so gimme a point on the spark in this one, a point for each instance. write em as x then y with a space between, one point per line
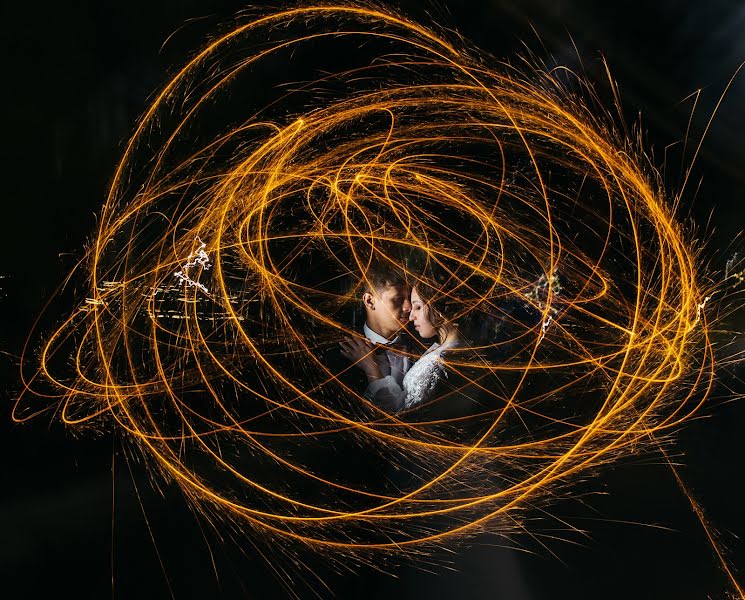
700 308
728 267
544 327
198 258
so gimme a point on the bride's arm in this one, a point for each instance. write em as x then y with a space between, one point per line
386 394
420 385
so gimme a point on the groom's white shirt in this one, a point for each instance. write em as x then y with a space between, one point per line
397 364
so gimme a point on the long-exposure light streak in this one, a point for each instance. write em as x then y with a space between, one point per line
512 181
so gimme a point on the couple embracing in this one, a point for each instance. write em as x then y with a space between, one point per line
405 372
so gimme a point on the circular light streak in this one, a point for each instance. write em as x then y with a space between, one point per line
217 283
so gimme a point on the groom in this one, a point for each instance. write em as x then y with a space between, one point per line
387 304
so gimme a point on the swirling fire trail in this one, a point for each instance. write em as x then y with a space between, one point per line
415 144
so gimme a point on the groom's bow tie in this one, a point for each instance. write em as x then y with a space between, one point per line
392 347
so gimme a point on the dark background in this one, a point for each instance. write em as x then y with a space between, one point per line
77 77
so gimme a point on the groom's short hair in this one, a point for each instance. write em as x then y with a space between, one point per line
382 274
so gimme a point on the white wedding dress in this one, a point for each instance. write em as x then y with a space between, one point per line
419 384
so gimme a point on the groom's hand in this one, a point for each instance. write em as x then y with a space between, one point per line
362 354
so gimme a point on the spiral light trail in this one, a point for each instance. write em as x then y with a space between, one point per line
218 283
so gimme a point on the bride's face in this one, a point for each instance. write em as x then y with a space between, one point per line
420 316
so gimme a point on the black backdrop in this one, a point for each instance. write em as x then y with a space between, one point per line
76 78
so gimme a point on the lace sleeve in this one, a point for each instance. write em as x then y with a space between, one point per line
420 384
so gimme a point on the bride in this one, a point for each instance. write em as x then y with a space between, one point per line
421 382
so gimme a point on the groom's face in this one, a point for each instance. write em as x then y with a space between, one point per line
388 308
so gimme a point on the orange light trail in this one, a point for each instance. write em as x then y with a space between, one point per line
213 287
